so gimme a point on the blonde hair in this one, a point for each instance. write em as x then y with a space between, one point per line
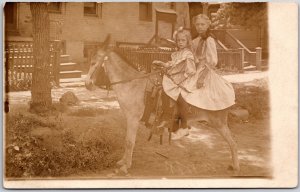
203 17
185 32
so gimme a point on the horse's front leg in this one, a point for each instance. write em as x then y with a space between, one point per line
126 161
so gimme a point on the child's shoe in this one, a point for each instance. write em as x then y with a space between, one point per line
180 133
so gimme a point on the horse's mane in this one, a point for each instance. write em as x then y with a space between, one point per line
130 63
122 66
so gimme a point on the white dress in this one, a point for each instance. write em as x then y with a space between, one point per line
216 93
180 73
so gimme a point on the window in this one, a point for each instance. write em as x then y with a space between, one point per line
54 7
171 5
145 11
93 9
10 11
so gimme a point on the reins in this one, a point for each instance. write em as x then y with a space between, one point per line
134 78
140 77
125 80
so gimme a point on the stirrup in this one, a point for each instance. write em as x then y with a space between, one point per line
162 124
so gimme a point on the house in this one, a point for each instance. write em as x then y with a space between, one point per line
80 26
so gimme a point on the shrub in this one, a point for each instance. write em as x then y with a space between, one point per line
29 156
254 99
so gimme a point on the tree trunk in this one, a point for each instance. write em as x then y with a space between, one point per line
41 88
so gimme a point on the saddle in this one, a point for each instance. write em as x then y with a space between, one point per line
153 107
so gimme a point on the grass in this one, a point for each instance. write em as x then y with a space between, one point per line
89 112
30 155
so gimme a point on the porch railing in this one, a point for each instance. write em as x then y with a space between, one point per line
250 57
142 58
19 64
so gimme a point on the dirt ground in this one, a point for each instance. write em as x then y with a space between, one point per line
203 153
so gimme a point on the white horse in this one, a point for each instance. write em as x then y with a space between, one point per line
129 86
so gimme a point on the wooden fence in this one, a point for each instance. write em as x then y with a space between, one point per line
231 60
19 64
142 58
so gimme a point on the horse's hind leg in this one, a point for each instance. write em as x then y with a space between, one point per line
225 132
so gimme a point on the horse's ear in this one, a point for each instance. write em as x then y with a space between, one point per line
106 42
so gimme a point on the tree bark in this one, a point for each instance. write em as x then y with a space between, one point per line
41 88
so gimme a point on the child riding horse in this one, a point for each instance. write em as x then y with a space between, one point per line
130 85
199 85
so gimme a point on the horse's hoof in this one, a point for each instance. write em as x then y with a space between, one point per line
123 169
230 168
236 173
121 162
236 170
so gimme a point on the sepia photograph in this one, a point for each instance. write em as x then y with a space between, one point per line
129 91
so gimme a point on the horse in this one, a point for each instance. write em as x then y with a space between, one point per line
129 86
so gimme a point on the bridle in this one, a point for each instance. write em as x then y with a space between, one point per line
98 64
133 78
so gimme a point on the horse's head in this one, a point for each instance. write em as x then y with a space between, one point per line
97 59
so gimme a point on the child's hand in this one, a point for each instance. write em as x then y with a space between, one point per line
200 83
156 62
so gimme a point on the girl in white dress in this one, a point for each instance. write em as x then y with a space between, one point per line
206 89
179 73
211 91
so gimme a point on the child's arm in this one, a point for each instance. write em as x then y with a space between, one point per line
190 67
167 64
211 53
200 80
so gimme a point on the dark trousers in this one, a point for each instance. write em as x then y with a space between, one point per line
171 112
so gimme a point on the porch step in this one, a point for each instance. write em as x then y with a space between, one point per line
72 82
68 66
70 74
250 68
65 58
264 68
246 63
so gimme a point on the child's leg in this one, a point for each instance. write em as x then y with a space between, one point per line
149 105
183 129
167 109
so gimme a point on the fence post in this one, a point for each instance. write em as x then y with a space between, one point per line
241 60
56 59
258 58
230 58
7 67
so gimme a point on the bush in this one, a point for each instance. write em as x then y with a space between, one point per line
254 99
29 156
20 84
